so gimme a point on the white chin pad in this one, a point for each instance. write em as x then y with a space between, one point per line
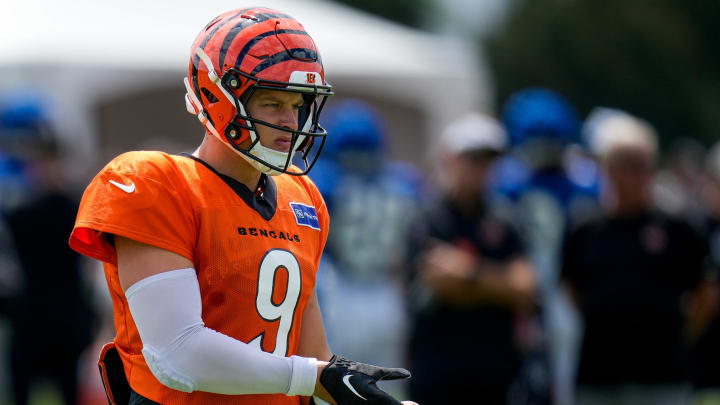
274 157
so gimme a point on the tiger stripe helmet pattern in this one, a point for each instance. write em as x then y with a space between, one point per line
244 50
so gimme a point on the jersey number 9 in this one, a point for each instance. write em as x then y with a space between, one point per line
274 261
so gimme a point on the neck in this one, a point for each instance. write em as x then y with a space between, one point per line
228 162
630 207
464 200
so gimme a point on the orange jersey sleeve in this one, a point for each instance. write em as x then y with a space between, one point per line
137 196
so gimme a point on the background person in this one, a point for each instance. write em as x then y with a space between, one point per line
371 200
706 353
51 314
547 185
630 272
470 278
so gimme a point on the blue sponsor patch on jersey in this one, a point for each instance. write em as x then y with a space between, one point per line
305 215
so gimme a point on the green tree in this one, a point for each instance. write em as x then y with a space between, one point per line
659 59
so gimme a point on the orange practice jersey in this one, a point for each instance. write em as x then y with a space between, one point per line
256 266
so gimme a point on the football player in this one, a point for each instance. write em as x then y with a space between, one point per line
211 257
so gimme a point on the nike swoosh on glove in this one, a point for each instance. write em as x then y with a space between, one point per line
353 383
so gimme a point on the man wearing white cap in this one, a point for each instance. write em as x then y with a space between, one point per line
470 278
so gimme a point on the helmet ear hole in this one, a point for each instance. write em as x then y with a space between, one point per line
231 79
209 96
232 133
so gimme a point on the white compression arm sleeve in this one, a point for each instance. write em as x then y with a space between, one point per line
185 355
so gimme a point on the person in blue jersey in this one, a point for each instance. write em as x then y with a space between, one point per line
546 184
371 200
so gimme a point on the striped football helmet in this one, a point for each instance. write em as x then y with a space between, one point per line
240 52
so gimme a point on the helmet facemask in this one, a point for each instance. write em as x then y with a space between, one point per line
257 49
303 139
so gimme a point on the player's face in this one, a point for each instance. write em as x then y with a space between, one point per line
630 172
279 108
471 170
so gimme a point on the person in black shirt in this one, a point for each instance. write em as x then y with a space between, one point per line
51 316
470 279
706 351
629 272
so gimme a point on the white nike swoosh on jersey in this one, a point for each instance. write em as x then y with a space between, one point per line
346 381
128 189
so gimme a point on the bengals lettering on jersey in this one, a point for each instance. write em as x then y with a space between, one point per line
255 256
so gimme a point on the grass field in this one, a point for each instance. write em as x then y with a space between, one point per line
44 394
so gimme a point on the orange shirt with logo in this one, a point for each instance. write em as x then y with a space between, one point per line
256 266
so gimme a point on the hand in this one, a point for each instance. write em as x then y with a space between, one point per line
351 383
447 269
449 261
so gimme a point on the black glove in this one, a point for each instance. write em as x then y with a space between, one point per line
351 383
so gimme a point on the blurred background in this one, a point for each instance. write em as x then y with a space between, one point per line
482 156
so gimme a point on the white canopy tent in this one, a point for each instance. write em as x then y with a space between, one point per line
86 52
